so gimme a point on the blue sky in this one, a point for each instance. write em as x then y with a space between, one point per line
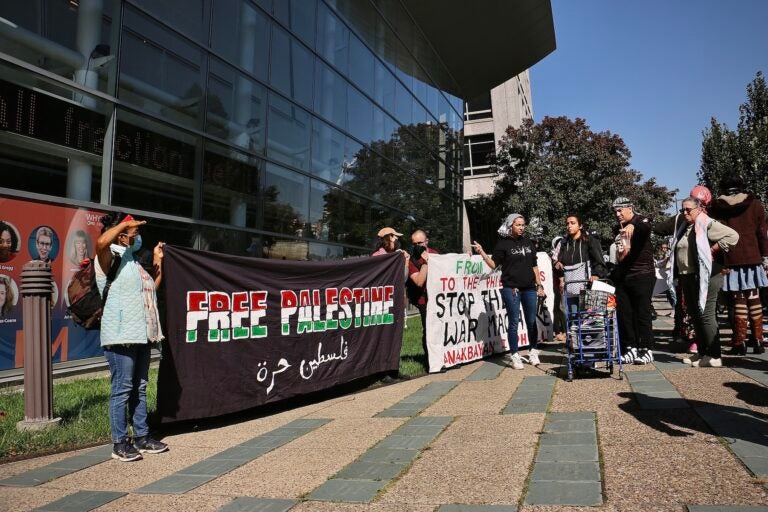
653 72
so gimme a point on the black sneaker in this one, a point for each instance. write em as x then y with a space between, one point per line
124 451
148 445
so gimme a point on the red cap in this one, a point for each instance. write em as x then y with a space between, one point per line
127 218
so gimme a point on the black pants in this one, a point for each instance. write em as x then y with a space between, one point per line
423 313
633 305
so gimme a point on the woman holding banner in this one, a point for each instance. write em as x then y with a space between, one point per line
129 324
521 283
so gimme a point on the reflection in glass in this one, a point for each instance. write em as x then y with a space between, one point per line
286 201
291 71
327 151
361 64
230 187
332 38
154 166
159 71
331 94
289 133
319 216
190 17
237 107
240 33
359 115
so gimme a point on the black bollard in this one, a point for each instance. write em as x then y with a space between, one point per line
36 290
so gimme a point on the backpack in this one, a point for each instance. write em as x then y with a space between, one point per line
85 302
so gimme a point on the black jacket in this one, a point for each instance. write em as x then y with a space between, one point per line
579 251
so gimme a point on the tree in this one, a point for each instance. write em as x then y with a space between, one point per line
745 151
561 166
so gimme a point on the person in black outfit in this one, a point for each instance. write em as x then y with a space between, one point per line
521 283
578 247
634 277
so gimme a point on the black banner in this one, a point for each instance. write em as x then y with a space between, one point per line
244 332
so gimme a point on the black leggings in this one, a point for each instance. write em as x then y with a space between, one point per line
633 305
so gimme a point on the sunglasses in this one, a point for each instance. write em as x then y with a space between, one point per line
688 210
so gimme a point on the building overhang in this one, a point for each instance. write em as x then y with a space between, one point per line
486 42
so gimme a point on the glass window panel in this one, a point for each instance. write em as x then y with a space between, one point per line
419 114
49 136
384 90
286 201
54 24
288 133
320 206
154 166
351 166
231 187
159 71
325 252
361 63
331 95
190 17
328 147
232 241
403 104
237 107
332 38
240 33
359 115
291 65
303 19
432 95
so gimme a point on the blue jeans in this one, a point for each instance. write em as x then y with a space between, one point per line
512 300
129 371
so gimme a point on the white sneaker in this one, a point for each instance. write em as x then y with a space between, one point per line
630 356
709 362
692 359
517 361
533 357
644 357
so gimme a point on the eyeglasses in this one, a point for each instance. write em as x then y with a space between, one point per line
688 210
420 243
44 244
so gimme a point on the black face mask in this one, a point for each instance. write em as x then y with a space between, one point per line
417 251
397 244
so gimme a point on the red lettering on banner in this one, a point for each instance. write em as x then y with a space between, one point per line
315 297
389 291
345 296
196 301
304 298
331 295
376 294
239 302
288 299
218 301
357 293
258 300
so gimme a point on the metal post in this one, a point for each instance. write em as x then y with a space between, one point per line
36 290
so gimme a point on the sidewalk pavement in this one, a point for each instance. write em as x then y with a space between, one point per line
481 437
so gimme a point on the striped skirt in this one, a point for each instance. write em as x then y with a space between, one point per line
745 278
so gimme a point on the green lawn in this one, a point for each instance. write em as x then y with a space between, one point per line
82 406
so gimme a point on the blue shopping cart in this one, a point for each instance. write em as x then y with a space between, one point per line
592 329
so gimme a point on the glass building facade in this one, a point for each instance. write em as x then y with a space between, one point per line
271 128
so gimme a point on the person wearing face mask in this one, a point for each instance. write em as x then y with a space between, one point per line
521 283
129 324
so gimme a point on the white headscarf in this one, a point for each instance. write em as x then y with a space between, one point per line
504 228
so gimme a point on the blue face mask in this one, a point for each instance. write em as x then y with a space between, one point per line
136 245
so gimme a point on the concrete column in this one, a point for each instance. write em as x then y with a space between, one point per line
36 289
89 12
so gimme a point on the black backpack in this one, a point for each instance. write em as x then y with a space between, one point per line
85 302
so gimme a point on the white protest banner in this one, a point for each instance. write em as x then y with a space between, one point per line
544 263
466 319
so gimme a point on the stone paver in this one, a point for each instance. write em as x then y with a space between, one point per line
416 402
258 505
81 501
360 481
532 395
745 433
653 391
566 471
476 508
221 463
487 371
60 468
